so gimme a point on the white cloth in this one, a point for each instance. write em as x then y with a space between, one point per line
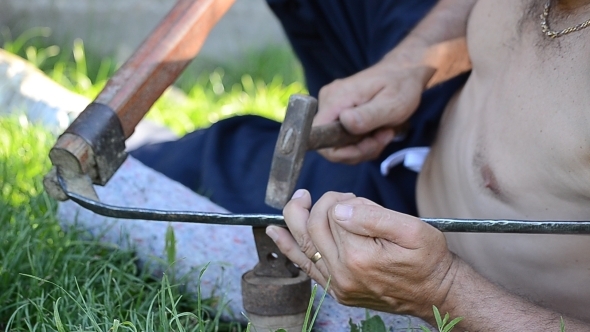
413 159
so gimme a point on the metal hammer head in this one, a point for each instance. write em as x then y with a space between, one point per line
292 144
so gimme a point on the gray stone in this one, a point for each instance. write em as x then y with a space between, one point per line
25 90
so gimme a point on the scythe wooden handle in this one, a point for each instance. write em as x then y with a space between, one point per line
160 59
94 144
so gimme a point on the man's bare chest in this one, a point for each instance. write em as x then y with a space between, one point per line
516 144
529 119
530 139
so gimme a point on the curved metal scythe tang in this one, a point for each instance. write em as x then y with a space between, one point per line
93 148
444 225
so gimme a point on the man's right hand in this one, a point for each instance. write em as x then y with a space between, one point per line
386 94
371 102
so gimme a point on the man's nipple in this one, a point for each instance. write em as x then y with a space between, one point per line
489 180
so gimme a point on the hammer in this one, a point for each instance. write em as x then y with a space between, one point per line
447 60
296 137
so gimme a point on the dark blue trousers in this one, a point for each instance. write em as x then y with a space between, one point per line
230 161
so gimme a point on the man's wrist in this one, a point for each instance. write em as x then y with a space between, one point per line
446 295
411 54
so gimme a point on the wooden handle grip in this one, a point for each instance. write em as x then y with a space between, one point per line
160 59
96 148
449 59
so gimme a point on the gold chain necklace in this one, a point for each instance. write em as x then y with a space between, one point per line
554 34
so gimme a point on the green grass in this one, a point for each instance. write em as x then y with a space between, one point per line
51 280
259 83
210 101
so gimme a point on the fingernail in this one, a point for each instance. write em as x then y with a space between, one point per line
351 117
298 193
272 233
358 118
343 212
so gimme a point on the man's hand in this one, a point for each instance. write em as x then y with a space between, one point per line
391 262
376 258
377 99
371 102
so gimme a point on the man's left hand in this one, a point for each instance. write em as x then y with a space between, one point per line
376 258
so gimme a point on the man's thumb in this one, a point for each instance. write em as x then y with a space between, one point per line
357 121
376 221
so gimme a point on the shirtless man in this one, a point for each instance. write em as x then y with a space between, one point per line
513 144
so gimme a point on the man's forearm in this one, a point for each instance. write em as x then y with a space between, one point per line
446 21
487 307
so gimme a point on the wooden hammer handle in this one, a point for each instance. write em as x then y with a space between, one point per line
334 135
331 135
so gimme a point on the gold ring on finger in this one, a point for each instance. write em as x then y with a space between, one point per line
316 257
